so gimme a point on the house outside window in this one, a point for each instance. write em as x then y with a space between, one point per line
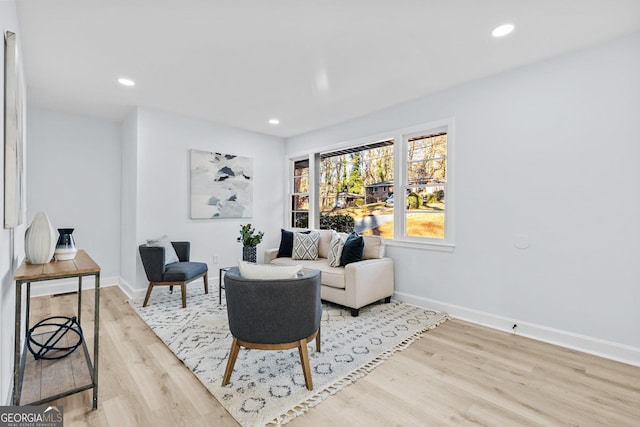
350 185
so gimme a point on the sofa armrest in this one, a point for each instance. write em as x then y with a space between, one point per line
368 280
270 255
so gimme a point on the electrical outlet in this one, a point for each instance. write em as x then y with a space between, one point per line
216 259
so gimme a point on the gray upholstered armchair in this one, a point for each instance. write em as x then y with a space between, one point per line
175 274
273 315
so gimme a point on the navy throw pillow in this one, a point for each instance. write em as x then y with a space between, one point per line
353 248
286 243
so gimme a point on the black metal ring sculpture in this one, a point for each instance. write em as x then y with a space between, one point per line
70 325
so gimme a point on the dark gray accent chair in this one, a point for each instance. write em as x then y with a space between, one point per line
175 274
273 315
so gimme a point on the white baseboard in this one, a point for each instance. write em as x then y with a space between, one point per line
63 286
129 290
596 346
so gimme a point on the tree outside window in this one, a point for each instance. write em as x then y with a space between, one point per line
356 182
300 195
426 186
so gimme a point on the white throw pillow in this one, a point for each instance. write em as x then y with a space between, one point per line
252 271
305 246
335 250
323 243
170 255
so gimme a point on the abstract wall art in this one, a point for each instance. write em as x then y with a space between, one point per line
221 185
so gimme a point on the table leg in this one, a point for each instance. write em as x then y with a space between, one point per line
96 337
27 308
16 345
79 300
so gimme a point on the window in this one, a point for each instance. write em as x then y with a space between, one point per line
300 194
396 186
354 186
426 182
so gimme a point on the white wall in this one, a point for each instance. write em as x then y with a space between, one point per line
11 241
163 144
549 151
74 174
128 214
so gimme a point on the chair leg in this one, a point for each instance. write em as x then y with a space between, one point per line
318 340
146 297
183 288
206 283
304 359
233 355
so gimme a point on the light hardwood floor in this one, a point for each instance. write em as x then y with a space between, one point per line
456 374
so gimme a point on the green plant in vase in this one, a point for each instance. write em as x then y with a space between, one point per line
250 238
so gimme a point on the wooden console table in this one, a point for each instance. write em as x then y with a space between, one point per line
84 374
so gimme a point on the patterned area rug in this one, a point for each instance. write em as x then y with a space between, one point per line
267 387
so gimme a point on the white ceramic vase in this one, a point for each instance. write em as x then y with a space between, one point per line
40 240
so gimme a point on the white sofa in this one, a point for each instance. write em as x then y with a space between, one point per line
355 285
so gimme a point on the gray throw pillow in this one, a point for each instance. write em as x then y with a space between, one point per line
305 246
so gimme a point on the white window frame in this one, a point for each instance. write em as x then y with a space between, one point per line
290 189
400 238
400 137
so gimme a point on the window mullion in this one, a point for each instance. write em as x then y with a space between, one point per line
400 177
314 191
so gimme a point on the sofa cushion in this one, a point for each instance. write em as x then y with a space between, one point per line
170 255
267 272
331 276
305 246
353 248
373 247
183 271
335 250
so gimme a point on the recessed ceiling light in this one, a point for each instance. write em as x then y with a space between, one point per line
502 30
126 82
274 121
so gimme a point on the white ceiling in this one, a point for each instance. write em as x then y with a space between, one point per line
310 63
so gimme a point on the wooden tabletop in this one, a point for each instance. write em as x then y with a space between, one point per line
81 265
